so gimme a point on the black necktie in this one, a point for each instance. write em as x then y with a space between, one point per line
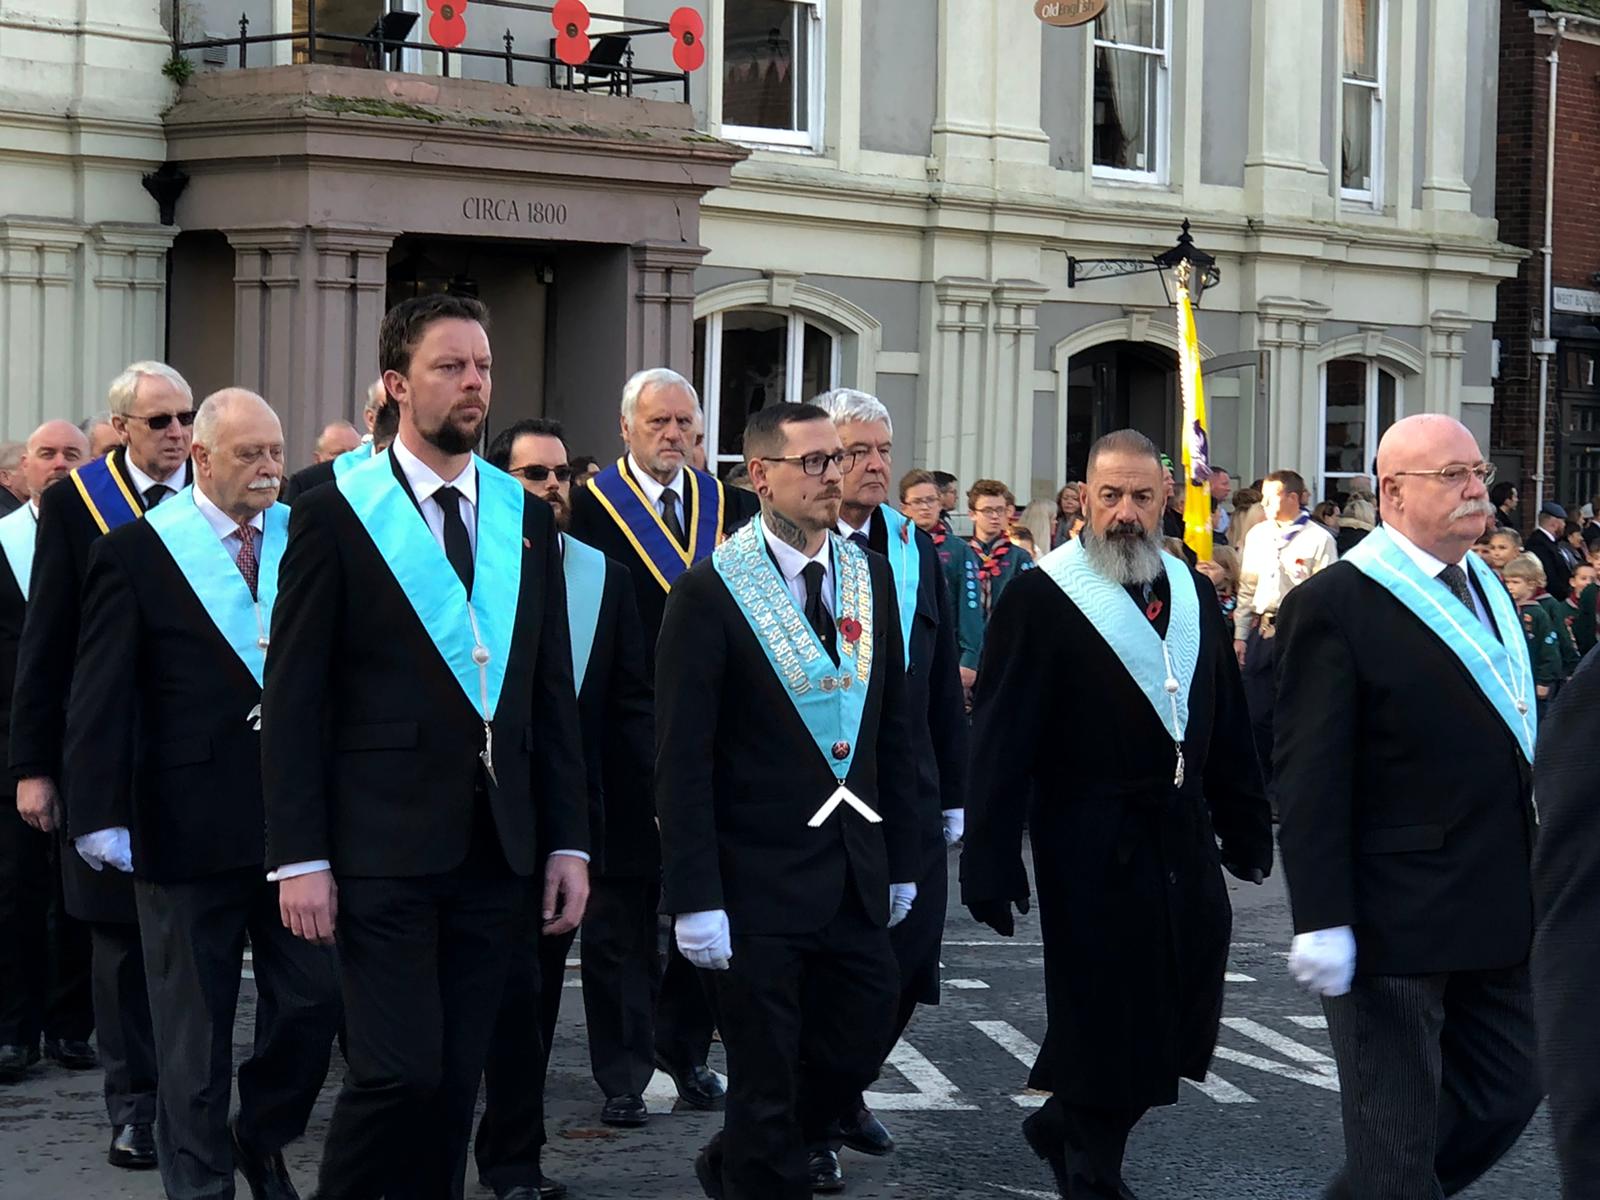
1454 578
155 494
457 545
860 539
669 515
817 612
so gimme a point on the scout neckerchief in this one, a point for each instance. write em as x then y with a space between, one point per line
18 532
243 620
472 634
829 699
1163 668
1500 667
622 497
991 562
107 493
585 571
906 564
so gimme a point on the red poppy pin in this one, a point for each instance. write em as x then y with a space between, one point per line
905 534
571 19
448 26
688 31
1153 609
850 630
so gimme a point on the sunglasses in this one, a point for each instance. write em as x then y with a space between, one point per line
161 420
539 474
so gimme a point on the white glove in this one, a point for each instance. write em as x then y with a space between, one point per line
106 847
1324 962
900 897
703 938
955 824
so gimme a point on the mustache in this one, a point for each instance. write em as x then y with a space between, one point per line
1124 529
1472 508
262 485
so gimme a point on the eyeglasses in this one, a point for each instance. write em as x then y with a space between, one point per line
817 463
1456 474
161 420
562 473
992 512
925 502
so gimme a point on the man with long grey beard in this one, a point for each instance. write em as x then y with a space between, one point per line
1133 908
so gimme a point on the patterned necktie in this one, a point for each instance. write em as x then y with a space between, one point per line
155 494
669 516
249 567
1454 578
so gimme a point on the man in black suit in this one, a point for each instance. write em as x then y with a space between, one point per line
937 708
177 608
421 754
790 826
384 421
660 516
618 952
1545 542
44 953
1405 736
152 409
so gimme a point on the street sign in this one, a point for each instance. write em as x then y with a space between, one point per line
1068 12
1575 300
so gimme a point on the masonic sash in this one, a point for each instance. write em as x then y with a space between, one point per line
243 620
19 531
352 458
622 497
1162 669
831 701
106 493
906 564
585 571
1499 667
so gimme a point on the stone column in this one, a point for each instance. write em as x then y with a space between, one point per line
1283 165
352 272
958 376
1288 330
39 266
1444 184
1446 346
661 306
129 301
1008 442
270 352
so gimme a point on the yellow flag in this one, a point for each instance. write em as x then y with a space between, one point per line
1196 442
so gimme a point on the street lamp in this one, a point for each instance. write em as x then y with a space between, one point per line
1202 271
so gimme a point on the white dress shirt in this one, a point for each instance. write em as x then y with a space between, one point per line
226 527
1431 566
792 564
1270 567
142 483
652 490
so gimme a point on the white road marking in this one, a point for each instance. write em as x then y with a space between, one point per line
1237 977
662 1093
968 985
1016 1191
1298 1074
1285 1046
1221 1090
994 942
935 1092
1021 1047
1309 1022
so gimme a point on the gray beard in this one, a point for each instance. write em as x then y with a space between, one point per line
1124 561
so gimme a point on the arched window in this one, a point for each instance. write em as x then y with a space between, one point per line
1360 400
748 358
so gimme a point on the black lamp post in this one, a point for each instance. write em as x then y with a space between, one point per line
1202 272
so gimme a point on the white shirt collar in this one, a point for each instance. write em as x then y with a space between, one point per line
33 507
846 529
792 562
425 481
1426 563
142 483
651 487
224 525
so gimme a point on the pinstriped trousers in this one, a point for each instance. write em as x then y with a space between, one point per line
1437 1079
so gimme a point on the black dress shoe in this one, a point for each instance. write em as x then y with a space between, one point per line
708 1170
15 1061
133 1148
1046 1134
545 1189
73 1055
697 1086
626 1112
865 1134
264 1172
824 1172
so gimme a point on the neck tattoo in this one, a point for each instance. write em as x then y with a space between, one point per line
785 530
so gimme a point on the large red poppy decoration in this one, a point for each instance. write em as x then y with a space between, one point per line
688 32
448 26
571 20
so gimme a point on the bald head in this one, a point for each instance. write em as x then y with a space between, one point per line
1440 513
336 438
238 452
52 450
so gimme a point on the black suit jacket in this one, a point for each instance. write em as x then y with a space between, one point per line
935 699
181 769
303 480
616 709
1557 571
8 501
592 524
738 775
369 745
13 608
46 659
1405 802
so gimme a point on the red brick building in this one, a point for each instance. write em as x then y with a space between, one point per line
1529 29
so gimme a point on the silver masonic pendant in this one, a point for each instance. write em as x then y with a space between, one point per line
487 753
1177 775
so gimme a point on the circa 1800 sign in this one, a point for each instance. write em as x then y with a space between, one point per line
1068 12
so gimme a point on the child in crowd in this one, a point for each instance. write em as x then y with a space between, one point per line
1581 606
1223 572
1524 579
1022 536
1504 545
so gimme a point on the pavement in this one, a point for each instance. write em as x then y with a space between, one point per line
1265 1124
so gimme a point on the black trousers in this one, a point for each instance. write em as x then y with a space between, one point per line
194 936
621 973
1437 1079
44 953
423 964
122 1023
1260 657
684 1021
804 1020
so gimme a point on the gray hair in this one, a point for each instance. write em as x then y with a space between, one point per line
11 455
88 425
376 393
124 389
653 377
847 404
215 406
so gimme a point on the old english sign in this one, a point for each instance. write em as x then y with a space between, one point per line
1068 12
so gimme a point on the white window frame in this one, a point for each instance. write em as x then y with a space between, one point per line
710 382
1162 115
808 141
1372 196
1372 433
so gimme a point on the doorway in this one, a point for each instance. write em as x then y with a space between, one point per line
1120 385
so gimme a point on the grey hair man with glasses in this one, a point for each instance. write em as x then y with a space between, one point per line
1407 825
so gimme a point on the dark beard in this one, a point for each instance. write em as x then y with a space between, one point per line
452 439
1124 559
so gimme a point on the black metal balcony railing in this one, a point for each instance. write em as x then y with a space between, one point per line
610 66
